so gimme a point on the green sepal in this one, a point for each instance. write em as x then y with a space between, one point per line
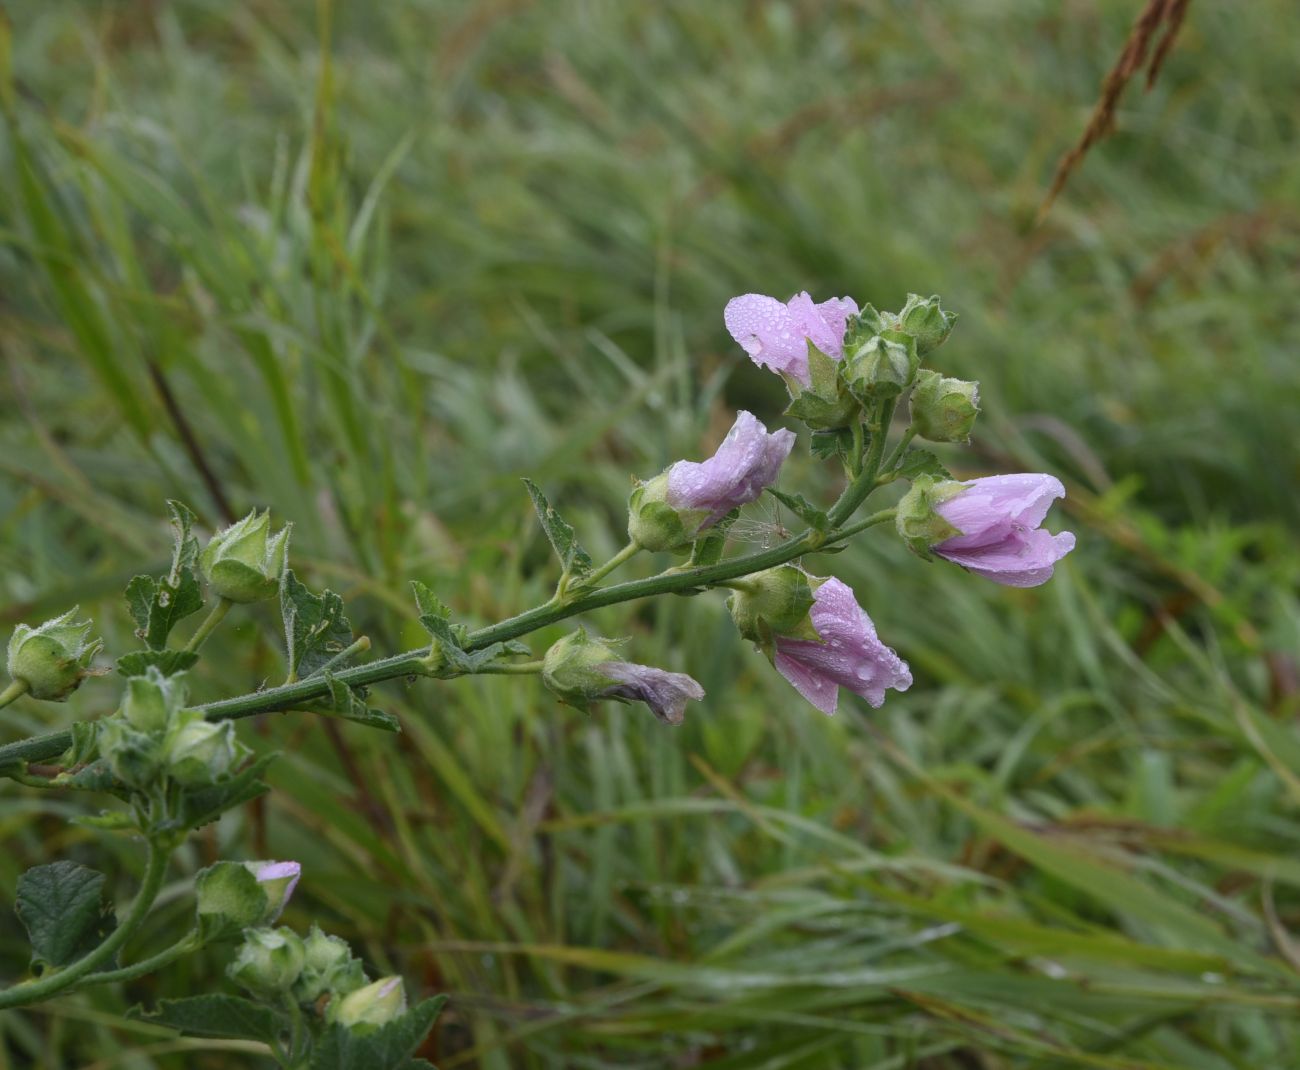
97 776
63 908
918 522
575 562
315 627
106 821
707 550
824 403
217 1016
390 1047
167 662
228 898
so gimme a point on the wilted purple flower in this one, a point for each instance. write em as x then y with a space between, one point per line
278 880
999 518
666 693
849 653
776 335
747 461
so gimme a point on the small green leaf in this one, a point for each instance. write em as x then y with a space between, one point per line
217 1016
348 703
167 662
391 1047
96 776
105 821
564 540
919 462
802 508
834 443
62 907
427 603
315 628
185 547
157 606
202 807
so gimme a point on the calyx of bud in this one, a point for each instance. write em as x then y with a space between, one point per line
269 961
244 562
943 409
53 658
771 603
917 520
882 367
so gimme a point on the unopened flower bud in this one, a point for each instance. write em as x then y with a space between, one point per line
234 896
771 603
882 367
244 562
669 511
580 669
328 966
944 410
368 1008
269 961
135 757
926 321
54 658
203 752
152 701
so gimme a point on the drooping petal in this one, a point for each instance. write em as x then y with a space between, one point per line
997 501
1024 558
746 462
666 693
849 654
776 335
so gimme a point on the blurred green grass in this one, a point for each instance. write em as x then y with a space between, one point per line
469 242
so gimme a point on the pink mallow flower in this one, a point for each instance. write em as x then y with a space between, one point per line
747 461
999 518
278 880
849 653
776 335
666 693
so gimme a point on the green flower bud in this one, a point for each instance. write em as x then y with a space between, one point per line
152 701
136 758
53 659
918 522
922 318
269 961
655 525
366 1009
926 321
328 966
882 367
234 896
771 603
944 410
572 669
244 562
202 752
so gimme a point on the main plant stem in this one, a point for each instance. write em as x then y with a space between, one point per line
61 979
413 662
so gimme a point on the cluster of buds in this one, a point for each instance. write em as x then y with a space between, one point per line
153 736
274 963
843 367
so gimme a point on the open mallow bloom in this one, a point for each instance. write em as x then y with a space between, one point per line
670 510
994 527
581 669
846 653
776 334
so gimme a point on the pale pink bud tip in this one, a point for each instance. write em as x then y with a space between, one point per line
776 335
999 518
666 693
747 461
848 655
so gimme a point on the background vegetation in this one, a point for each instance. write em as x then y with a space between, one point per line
372 284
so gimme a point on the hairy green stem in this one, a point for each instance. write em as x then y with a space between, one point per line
191 941
210 623
412 662
59 980
897 455
629 551
358 647
15 690
861 487
506 668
